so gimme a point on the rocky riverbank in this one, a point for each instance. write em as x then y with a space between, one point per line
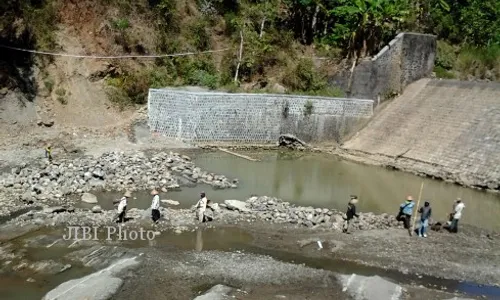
255 209
42 183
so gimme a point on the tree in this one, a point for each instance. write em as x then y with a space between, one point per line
369 23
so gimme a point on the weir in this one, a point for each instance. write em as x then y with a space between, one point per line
262 118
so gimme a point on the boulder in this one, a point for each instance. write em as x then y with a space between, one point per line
236 205
170 202
373 288
96 209
218 292
89 198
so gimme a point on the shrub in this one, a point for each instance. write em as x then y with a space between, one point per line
446 55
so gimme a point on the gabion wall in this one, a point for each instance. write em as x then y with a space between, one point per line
208 116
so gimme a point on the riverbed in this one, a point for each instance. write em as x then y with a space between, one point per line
320 180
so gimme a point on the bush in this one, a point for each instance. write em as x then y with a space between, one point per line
446 55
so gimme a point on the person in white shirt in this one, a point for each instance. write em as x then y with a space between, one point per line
459 207
155 206
201 206
122 207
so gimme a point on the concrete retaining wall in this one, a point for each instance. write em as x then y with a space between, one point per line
407 58
444 128
207 116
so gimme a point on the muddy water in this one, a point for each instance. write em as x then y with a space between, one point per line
324 181
222 239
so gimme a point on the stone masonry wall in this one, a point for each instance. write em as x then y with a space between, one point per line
407 58
443 128
208 116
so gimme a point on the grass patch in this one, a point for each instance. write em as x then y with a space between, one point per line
43 20
443 73
483 63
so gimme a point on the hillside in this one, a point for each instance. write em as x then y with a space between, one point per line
279 41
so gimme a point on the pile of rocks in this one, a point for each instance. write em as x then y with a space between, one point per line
112 171
266 209
277 211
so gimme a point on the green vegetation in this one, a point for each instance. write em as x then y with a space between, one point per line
277 35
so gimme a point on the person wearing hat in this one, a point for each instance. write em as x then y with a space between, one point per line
201 207
155 206
425 214
405 212
122 207
350 214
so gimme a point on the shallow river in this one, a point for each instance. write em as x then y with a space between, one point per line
324 181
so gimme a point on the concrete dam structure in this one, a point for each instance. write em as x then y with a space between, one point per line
443 128
261 118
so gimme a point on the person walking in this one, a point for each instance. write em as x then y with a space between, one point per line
350 214
122 207
155 206
201 207
459 207
405 213
425 214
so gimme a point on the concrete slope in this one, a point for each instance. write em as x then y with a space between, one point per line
448 125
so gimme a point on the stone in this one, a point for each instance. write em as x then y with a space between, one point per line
236 205
54 209
89 198
170 202
217 292
373 288
97 209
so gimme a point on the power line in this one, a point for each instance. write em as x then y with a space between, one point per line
112 57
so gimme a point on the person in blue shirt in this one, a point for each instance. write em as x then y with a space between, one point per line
405 212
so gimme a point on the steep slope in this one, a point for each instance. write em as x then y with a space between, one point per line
447 129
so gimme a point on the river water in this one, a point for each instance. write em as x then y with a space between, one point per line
320 180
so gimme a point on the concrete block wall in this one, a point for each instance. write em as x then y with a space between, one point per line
209 116
407 58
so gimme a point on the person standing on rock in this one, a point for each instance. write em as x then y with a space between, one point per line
122 207
155 206
350 214
425 214
405 212
459 207
201 206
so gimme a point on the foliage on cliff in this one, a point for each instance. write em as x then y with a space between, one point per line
278 36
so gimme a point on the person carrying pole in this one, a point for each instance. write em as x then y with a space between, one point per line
425 214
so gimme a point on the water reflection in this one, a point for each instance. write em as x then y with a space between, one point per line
199 240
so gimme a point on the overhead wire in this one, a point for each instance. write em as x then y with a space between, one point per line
112 57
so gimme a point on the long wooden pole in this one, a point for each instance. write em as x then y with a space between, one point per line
418 205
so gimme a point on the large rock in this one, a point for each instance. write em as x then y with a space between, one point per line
370 288
89 198
100 285
170 202
236 205
218 292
